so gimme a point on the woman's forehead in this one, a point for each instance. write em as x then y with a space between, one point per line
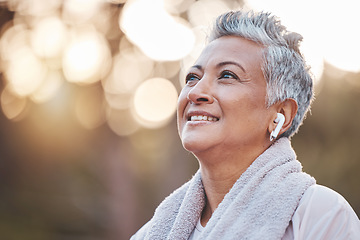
231 48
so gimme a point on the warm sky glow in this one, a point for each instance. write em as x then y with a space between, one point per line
341 34
158 34
204 12
328 28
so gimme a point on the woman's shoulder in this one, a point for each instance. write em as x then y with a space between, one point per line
321 199
324 214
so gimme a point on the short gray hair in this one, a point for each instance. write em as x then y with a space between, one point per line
284 67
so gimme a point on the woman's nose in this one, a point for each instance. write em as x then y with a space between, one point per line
201 92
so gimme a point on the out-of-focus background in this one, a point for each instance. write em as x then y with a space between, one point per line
88 91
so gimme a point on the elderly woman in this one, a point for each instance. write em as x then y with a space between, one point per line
244 98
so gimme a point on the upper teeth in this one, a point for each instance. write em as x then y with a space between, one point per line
203 118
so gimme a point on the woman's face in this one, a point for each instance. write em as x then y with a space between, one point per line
222 107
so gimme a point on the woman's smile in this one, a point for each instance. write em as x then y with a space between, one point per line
196 117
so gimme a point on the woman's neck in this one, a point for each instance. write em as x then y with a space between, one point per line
219 173
216 187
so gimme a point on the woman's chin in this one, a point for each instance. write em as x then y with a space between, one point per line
195 146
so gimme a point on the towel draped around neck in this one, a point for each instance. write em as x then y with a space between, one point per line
260 204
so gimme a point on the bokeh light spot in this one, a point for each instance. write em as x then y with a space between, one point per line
34 7
14 37
130 68
204 12
128 71
79 11
48 37
12 106
118 100
25 72
87 57
155 102
177 7
160 36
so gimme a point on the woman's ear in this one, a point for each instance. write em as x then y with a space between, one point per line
288 108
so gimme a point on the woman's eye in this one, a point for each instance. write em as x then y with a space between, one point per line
192 77
228 74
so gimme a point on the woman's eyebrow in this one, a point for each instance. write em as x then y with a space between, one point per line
231 63
197 67
223 64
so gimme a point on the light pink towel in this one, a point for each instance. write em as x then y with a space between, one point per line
259 205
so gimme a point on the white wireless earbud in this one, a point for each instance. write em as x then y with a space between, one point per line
280 122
